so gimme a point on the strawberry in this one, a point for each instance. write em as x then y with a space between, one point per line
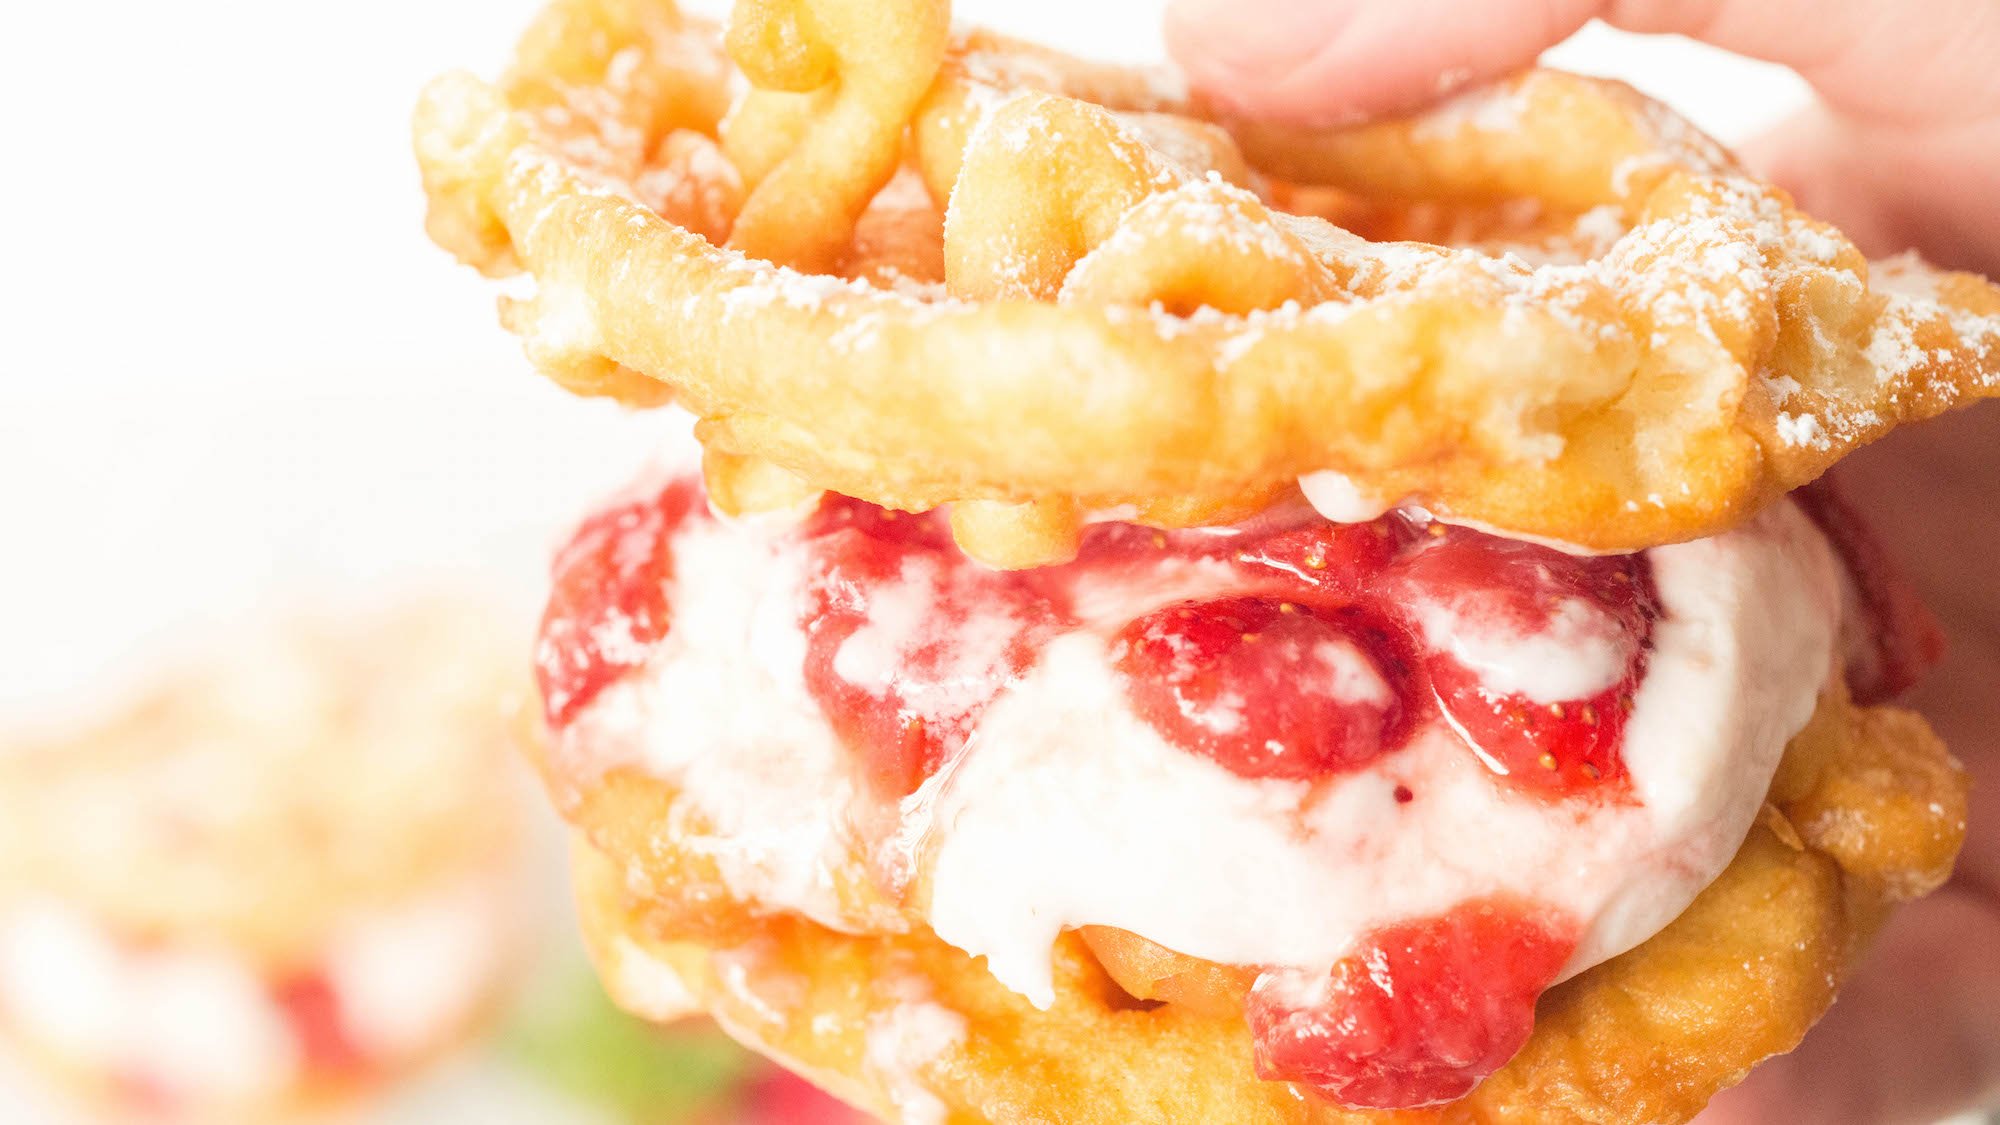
609 604
1600 609
1903 640
1419 1012
908 640
779 1097
1268 688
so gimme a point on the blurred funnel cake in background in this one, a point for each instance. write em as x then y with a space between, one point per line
287 873
1184 620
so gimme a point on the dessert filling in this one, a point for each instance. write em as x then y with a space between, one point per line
1400 776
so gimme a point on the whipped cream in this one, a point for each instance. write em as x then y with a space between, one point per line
1337 497
722 711
1067 809
1071 810
1579 651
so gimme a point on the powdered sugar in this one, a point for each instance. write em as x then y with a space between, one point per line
901 1042
1802 430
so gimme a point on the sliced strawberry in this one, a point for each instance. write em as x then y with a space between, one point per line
1599 611
1268 688
609 604
1559 749
1343 559
888 531
1419 1013
907 639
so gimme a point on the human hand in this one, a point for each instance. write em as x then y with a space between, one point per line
1903 151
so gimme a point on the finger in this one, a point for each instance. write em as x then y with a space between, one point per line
1879 60
1915 1036
1328 61
1890 186
1323 60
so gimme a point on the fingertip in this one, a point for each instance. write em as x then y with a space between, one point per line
1335 61
1248 56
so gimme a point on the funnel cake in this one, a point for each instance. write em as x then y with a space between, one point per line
920 267
1185 620
281 877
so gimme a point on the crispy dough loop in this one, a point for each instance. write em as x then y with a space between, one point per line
865 64
738 485
999 245
1172 248
1668 346
561 342
1104 231
1017 536
691 184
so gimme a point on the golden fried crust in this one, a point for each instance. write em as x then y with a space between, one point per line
1868 810
1117 308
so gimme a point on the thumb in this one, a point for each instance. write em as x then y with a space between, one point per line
1904 151
1318 61
1323 62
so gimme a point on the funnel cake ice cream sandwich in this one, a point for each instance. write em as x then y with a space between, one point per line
1183 620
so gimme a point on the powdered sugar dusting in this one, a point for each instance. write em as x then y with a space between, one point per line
899 1043
1802 430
